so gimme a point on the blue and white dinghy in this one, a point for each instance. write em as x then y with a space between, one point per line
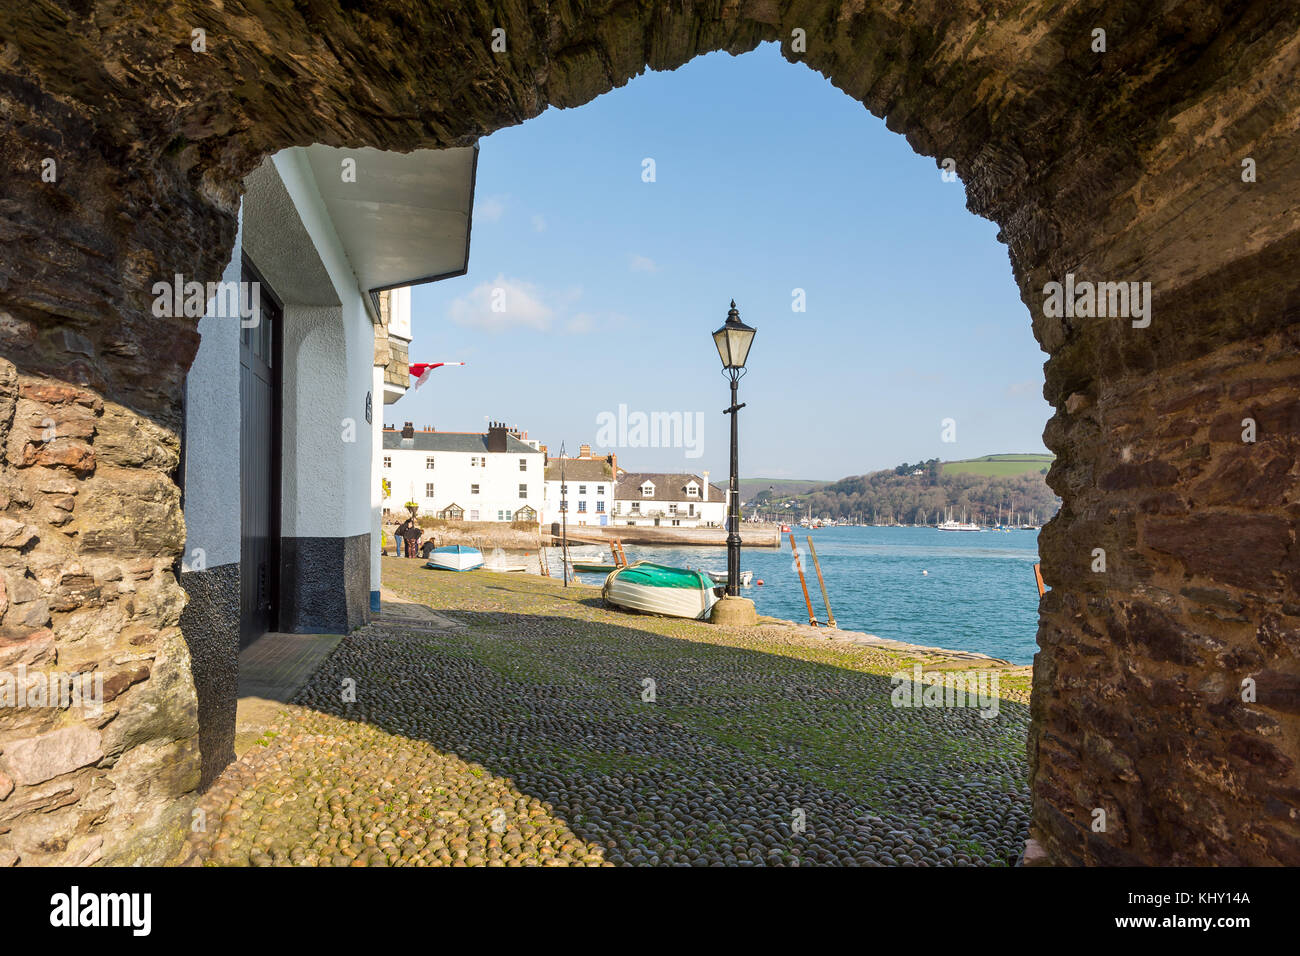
455 557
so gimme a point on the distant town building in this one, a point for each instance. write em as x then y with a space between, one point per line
668 500
464 476
589 495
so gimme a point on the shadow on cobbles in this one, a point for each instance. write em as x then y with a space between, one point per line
661 749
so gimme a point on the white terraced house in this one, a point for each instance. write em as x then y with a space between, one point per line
647 499
585 496
464 476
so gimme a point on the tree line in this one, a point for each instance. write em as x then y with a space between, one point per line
922 494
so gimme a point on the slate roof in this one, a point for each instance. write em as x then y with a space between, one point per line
668 487
471 442
580 469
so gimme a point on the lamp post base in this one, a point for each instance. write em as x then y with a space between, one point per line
734 612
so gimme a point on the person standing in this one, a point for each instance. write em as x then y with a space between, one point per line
412 539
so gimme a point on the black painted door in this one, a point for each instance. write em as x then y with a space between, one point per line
259 469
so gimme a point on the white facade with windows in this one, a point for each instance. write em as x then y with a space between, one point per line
586 494
467 476
668 501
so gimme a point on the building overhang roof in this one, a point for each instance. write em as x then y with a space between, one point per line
403 218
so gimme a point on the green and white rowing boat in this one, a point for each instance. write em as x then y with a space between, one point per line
657 589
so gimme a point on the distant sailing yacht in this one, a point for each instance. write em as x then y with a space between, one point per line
951 525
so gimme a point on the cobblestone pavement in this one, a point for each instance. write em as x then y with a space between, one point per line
545 729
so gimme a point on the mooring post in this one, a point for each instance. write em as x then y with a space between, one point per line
798 565
830 615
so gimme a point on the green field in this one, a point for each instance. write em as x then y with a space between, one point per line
784 487
997 466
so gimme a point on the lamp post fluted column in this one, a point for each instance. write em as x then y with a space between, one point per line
733 499
733 341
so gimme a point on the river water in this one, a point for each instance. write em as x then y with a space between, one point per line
970 591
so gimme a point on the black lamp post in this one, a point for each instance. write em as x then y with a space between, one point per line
564 518
733 341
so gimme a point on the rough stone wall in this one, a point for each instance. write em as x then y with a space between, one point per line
210 624
87 542
1117 166
1140 705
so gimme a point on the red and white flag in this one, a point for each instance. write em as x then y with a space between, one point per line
421 370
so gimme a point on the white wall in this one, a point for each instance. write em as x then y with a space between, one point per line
399 307
328 369
377 502
453 475
592 496
711 512
212 511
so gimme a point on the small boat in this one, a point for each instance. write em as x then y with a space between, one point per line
593 568
951 525
720 577
656 589
455 557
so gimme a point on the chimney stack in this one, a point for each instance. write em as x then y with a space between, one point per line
584 451
497 437
705 492
408 430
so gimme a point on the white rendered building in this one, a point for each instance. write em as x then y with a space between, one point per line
282 401
649 499
464 476
586 494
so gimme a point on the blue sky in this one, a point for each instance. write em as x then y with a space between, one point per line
767 180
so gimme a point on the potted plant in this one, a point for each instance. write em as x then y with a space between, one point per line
412 507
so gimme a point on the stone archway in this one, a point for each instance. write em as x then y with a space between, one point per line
1119 166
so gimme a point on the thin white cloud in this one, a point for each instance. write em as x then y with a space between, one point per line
581 323
502 304
490 209
1024 388
643 264
539 224
508 303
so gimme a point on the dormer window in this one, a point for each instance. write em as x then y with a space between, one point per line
692 490
648 490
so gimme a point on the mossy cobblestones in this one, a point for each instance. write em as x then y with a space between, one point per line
523 738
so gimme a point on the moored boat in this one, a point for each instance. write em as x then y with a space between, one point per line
720 577
594 568
455 557
657 589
